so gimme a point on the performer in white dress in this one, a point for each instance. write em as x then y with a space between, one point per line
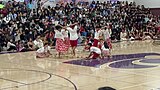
43 52
95 52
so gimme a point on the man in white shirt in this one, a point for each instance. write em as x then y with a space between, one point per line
95 52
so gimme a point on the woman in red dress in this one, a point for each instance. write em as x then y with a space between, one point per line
61 47
66 38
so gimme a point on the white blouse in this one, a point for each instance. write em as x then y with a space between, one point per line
38 43
95 49
106 34
58 34
65 33
97 34
73 33
44 50
104 49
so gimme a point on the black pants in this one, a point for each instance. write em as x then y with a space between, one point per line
12 48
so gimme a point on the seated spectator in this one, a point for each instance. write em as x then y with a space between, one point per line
21 46
123 36
147 36
30 45
11 46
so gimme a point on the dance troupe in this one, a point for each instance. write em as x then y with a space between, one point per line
67 36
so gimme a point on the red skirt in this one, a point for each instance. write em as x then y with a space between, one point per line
73 43
67 42
61 46
95 43
95 55
109 43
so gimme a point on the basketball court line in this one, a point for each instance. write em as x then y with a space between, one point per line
74 73
132 74
13 81
142 84
115 69
51 69
140 62
137 84
76 89
107 64
24 84
130 69
134 83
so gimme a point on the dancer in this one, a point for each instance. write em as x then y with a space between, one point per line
95 52
87 41
106 33
98 35
103 45
60 46
73 36
44 51
66 38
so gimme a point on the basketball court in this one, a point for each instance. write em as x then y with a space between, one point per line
133 66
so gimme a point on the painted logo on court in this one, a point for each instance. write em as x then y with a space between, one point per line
125 61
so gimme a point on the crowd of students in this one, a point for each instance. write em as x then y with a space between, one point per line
25 28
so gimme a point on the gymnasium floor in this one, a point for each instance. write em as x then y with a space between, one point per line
134 66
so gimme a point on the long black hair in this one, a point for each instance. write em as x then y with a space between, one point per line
106 45
58 27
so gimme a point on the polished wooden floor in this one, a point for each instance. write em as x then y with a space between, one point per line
22 71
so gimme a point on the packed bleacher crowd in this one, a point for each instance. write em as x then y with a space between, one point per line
25 28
